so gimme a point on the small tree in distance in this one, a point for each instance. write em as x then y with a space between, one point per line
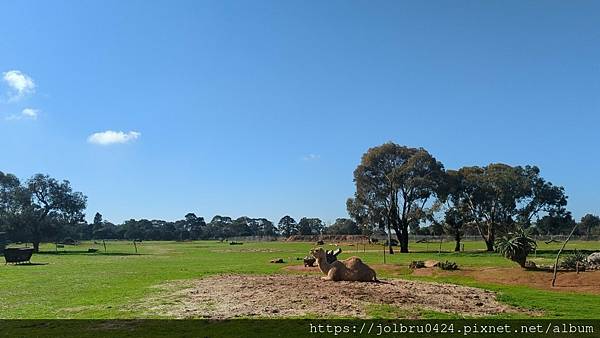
287 226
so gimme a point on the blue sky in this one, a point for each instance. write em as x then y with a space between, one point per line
263 108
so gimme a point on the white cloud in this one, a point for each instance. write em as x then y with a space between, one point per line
111 137
19 83
30 112
27 113
311 157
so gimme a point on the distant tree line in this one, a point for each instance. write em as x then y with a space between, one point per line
399 190
193 227
406 190
43 209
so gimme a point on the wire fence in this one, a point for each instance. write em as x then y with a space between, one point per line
412 238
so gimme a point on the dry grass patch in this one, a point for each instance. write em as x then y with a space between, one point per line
230 296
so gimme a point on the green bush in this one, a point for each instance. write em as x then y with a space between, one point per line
447 265
570 261
417 265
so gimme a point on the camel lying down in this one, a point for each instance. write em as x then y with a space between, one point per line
351 269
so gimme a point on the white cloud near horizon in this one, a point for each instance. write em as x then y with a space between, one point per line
109 137
20 84
27 113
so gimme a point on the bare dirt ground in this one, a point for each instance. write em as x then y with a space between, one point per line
565 281
229 296
588 281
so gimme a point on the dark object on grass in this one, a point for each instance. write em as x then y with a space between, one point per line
552 240
416 265
447 265
309 261
278 260
235 243
18 255
393 241
320 242
3 241
69 241
90 250
423 240
332 255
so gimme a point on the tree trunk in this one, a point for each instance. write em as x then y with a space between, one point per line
490 239
36 239
457 238
490 245
403 238
488 236
391 249
521 261
559 252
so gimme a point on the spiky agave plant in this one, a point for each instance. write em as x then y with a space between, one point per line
516 246
577 259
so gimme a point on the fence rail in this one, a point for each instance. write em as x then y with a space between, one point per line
413 238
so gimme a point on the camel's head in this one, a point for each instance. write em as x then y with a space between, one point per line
318 252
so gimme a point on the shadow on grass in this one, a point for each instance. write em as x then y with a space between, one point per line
86 253
564 252
28 264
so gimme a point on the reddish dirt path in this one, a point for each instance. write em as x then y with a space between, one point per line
565 281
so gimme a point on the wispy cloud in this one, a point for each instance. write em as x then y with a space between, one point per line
27 113
20 84
30 112
311 157
113 137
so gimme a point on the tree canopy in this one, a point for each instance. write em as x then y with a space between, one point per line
393 185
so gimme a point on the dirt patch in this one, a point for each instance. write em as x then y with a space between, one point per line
302 268
228 296
388 268
425 272
565 281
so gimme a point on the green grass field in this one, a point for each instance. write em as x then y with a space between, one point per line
75 284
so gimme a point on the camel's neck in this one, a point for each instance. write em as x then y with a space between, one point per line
323 265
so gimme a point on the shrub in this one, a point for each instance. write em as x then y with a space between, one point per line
417 265
571 261
516 247
447 265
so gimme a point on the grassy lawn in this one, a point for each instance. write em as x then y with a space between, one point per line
75 284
